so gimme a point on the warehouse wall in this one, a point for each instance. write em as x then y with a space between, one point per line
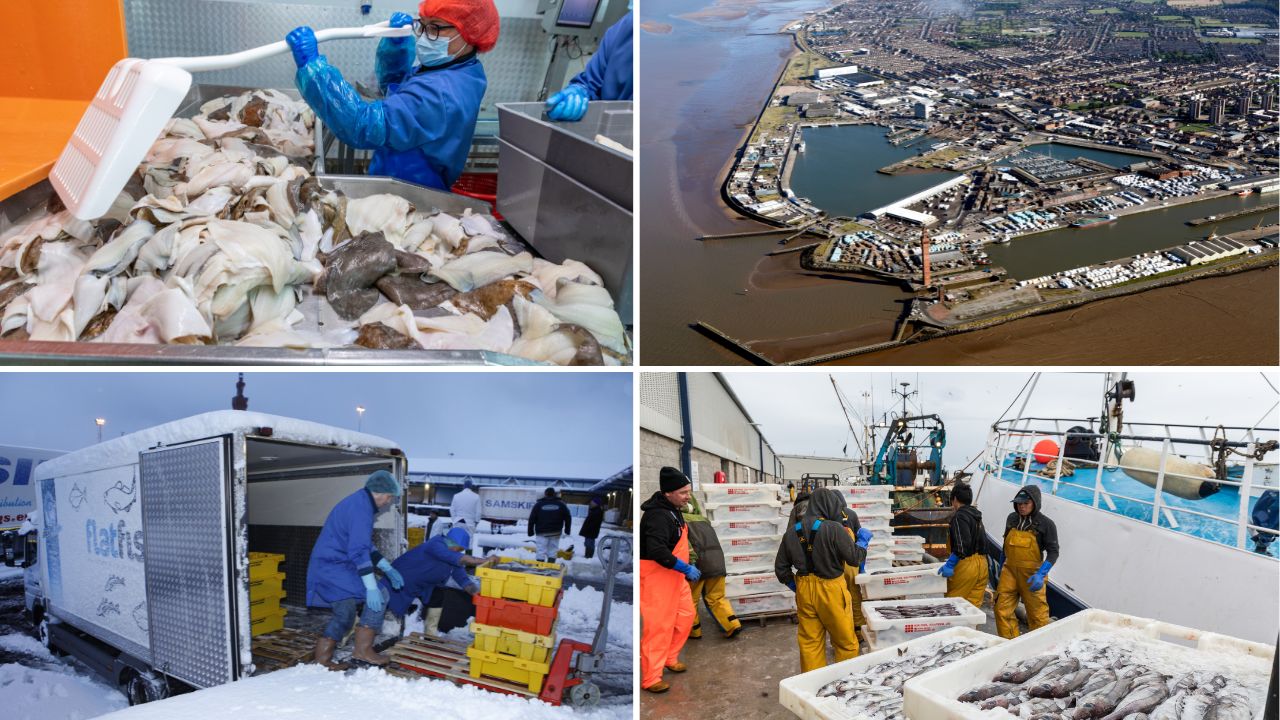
795 466
658 451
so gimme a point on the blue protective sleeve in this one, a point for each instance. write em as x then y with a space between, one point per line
393 62
609 74
359 124
461 577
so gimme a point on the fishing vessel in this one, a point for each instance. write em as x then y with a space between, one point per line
1147 507
1090 222
1248 191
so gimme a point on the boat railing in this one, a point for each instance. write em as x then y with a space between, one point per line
1016 438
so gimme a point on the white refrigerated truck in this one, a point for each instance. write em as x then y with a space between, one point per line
141 562
17 493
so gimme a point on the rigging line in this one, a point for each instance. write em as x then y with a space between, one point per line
1264 377
1015 399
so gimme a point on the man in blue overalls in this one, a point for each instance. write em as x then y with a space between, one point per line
428 566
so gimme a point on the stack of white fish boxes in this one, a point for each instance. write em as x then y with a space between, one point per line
747 519
874 507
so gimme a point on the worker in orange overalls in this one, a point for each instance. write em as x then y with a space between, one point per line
666 606
1030 550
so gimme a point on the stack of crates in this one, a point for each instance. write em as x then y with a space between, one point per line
415 536
748 523
266 590
515 625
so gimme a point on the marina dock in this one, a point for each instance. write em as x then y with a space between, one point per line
1238 213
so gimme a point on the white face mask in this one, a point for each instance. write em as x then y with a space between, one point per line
433 52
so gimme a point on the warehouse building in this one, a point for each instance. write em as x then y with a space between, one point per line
693 421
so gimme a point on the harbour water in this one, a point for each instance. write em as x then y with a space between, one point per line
704 83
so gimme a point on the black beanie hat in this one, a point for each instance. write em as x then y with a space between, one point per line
671 479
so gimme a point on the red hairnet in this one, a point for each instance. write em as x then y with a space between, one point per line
476 20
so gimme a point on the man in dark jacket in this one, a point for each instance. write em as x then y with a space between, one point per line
819 547
1030 550
708 556
591 526
549 516
966 569
666 606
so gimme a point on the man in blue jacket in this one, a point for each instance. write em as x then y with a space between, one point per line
549 516
340 574
608 75
428 566
422 130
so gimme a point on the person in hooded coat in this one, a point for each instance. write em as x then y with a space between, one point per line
707 555
966 568
818 548
340 572
430 565
666 605
1030 551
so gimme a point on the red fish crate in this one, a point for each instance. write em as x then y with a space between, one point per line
515 615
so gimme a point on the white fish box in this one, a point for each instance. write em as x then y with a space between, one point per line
883 632
749 562
748 605
911 582
878 561
739 511
798 693
758 544
897 543
932 697
871 507
748 528
876 522
905 554
754 583
740 492
908 541
863 493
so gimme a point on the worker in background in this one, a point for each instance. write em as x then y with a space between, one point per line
1030 550
966 568
818 548
340 573
466 506
433 524
791 490
608 76
707 556
666 605
548 518
1266 514
432 83
591 526
428 566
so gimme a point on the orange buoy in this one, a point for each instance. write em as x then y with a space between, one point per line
1045 451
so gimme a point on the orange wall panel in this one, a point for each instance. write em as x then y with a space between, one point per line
59 49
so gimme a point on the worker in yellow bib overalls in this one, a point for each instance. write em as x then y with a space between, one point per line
819 547
966 569
1030 550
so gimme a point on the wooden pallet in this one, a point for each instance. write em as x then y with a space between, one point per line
447 659
764 617
282 649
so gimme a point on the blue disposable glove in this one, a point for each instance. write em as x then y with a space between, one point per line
864 538
373 593
688 570
1037 581
568 104
303 42
792 585
400 20
392 574
949 567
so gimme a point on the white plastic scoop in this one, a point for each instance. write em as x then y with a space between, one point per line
131 108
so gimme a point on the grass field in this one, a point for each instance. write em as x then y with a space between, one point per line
1194 128
1108 11
805 65
990 12
1132 34
1170 18
773 118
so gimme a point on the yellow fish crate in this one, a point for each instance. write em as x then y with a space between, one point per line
267 605
415 536
508 667
525 587
518 643
264 564
261 587
269 623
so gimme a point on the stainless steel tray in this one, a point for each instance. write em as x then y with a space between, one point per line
318 315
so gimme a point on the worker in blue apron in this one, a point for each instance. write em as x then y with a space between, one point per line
608 76
429 565
421 132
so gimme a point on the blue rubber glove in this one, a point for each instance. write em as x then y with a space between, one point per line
792 585
400 20
303 42
1037 581
949 567
688 570
392 574
864 538
569 104
373 593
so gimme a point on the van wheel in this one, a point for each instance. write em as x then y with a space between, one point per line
140 690
45 638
